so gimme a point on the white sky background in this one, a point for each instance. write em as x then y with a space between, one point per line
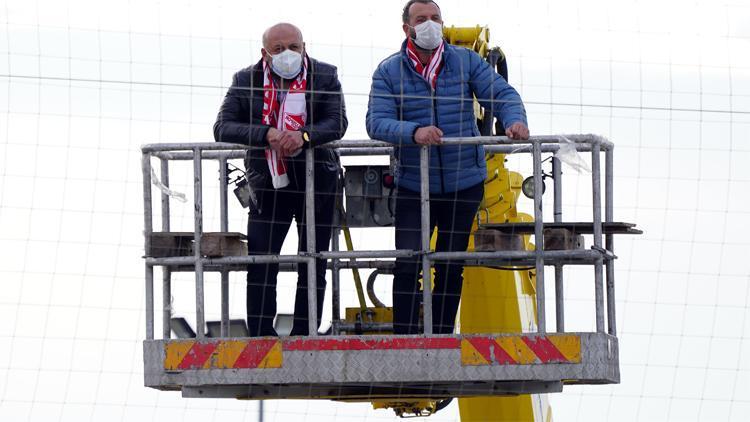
84 84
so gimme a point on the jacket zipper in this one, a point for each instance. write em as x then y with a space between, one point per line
435 122
439 148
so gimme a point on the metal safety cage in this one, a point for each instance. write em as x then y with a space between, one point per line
366 367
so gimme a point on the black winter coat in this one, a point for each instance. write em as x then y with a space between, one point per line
240 115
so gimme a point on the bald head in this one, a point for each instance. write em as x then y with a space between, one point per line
278 39
281 34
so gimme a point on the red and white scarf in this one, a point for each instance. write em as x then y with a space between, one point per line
431 71
293 112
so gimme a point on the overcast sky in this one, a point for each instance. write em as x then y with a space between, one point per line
84 83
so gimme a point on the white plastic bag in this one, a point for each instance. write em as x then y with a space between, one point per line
570 156
172 194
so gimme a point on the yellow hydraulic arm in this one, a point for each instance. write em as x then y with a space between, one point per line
496 300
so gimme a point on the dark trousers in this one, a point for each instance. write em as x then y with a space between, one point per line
266 231
453 214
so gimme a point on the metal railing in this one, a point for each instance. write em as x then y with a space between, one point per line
601 254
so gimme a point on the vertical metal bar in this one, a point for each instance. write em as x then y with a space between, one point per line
557 178
338 215
597 207
200 319
424 170
335 280
147 230
165 214
149 302
223 197
312 294
224 222
166 272
166 302
559 287
539 237
610 245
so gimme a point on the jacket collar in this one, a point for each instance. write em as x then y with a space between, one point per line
447 54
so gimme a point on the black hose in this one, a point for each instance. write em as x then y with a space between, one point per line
371 290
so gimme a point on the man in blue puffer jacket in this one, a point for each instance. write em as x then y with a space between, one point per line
420 95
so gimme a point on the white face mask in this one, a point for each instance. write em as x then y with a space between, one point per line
429 35
287 64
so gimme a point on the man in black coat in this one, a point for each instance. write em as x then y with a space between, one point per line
284 103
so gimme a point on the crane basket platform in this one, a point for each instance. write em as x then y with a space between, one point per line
369 367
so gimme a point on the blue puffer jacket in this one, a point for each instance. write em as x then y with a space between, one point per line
401 101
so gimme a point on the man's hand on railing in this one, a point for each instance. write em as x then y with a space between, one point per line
517 131
291 142
285 142
428 135
273 136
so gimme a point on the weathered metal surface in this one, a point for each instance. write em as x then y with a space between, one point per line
213 244
558 239
347 367
550 143
223 244
366 392
575 227
494 240
164 244
222 354
520 350
372 320
353 368
368 202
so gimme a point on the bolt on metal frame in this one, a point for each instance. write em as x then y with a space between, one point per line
600 255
